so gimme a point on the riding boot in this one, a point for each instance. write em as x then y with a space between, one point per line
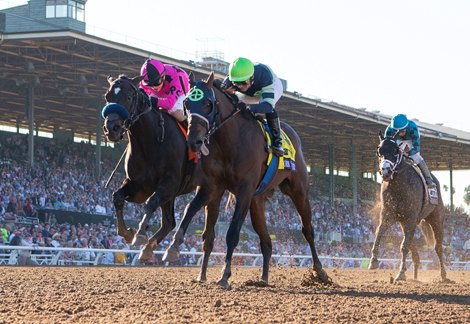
427 174
275 127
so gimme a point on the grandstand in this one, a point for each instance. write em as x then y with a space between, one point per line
52 81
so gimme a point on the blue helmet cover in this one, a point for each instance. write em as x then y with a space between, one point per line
399 122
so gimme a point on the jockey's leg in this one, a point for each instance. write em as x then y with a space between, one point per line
179 115
275 127
427 174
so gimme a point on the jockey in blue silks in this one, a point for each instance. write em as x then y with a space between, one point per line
407 134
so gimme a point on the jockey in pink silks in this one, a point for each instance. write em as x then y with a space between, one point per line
166 86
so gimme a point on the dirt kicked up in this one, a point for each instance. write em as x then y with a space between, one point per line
170 295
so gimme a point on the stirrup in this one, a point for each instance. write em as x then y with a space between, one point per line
277 150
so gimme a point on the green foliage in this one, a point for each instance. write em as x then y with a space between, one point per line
466 196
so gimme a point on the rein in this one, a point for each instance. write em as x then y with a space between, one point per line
216 126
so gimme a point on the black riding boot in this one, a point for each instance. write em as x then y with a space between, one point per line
275 127
427 174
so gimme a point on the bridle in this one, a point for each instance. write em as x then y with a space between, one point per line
134 111
389 164
212 120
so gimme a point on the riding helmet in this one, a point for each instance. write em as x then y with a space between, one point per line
241 70
399 122
152 71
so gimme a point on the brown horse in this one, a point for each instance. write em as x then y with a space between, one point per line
403 199
237 162
157 166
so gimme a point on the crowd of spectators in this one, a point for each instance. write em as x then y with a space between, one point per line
63 177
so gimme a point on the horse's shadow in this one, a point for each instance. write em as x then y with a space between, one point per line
337 290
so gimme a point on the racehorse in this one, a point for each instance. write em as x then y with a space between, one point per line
156 163
236 162
404 200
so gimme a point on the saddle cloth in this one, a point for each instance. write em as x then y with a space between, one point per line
432 195
286 162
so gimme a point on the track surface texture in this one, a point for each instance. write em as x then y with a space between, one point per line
171 295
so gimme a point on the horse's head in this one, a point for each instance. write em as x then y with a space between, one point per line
389 155
201 105
123 101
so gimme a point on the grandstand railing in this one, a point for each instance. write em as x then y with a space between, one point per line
54 257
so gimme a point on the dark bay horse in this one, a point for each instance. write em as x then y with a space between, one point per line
156 163
237 162
404 200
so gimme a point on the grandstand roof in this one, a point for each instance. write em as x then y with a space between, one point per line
69 70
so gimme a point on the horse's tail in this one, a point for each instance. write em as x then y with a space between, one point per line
428 233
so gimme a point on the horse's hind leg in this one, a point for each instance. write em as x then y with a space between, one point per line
167 224
258 220
384 225
118 198
200 199
299 195
415 258
436 222
208 237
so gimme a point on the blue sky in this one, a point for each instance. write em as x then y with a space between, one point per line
398 56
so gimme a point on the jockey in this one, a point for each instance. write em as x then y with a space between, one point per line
258 89
406 131
166 86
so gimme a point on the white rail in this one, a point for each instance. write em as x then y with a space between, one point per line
51 256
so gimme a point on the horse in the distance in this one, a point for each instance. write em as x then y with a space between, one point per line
156 164
237 161
404 199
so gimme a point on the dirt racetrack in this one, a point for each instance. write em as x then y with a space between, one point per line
170 295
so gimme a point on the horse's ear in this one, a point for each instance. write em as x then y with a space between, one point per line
110 79
136 80
381 136
192 79
210 79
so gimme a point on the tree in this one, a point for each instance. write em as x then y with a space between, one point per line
466 196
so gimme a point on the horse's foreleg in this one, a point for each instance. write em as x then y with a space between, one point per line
152 203
167 224
233 235
212 214
172 252
258 220
408 233
118 198
384 225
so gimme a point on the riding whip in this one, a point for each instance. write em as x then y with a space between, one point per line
115 169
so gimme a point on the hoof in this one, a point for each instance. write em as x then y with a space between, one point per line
223 283
171 255
146 255
400 277
373 264
324 277
201 279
